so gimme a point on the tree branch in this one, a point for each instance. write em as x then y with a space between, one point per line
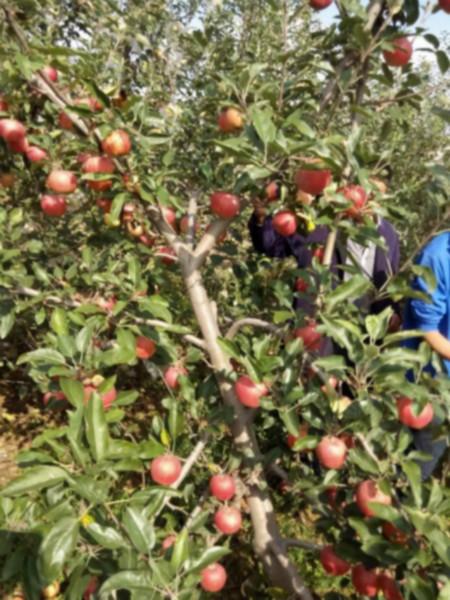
250 322
304 544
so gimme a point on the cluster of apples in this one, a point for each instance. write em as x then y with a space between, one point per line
165 470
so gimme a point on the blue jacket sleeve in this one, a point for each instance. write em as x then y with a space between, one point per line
428 315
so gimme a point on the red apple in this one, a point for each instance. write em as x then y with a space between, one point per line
7 180
53 206
104 204
117 143
364 581
332 494
91 588
36 154
107 304
331 383
4 106
331 452
106 397
444 5
224 205
393 533
128 211
99 164
147 240
357 196
51 73
20 145
145 347
53 396
169 216
248 392
272 191
312 181
407 416
184 224
368 491
388 586
91 103
169 541
319 253
167 254
228 520
348 439
165 469
64 121
171 375
222 487
63 182
401 54
310 336
332 563
302 432
12 130
230 119
213 578
301 285
285 223
320 4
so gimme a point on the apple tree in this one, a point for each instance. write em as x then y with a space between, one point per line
199 424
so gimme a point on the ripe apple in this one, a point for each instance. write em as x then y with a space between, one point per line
12 130
401 54
368 491
107 304
51 73
128 211
332 494
171 375
4 106
213 578
49 396
165 469
91 588
36 154
393 533
228 520
63 182
301 285
91 103
348 439
104 204
444 5
184 224
357 196
304 198
332 563
65 122
312 181
99 164
285 223
145 347
409 418
7 180
302 432
272 191
222 487
169 541
388 586
310 336
230 119
53 206
319 253
167 254
20 146
169 216
147 240
224 205
364 581
117 143
107 397
331 452
248 392
320 4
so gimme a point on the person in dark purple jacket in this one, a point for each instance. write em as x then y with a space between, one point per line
376 263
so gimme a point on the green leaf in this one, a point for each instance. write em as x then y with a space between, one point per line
443 61
74 391
36 478
96 428
180 551
265 128
412 472
231 348
57 547
107 537
363 461
127 580
6 324
139 529
117 205
377 325
58 322
290 420
352 289
43 356
444 594
422 590
441 544
175 421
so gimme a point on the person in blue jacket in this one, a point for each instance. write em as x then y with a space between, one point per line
433 319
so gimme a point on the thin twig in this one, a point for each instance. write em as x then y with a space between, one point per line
250 322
